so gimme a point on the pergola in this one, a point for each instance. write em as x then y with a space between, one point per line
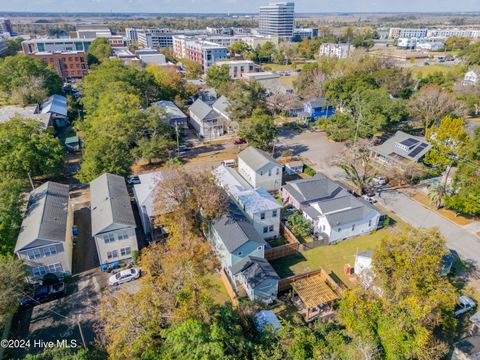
314 291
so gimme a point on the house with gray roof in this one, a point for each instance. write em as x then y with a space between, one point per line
44 243
56 106
333 211
258 277
221 106
259 169
205 120
113 223
401 150
176 116
25 112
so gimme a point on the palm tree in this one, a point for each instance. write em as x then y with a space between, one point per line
436 194
359 173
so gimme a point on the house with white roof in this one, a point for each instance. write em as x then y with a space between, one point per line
332 210
259 169
113 222
44 244
261 208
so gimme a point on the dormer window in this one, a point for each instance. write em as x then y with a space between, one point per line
240 253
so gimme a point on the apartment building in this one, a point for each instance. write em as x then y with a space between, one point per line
5 27
55 45
449 32
239 67
154 38
303 33
341 51
205 53
396 33
68 64
277 19
3 46
92 31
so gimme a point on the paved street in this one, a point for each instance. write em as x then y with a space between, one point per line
320 151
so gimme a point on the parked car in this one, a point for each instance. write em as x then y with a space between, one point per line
229 163
43 293
124 276
183 148
370 199
239 141
379 181
133 180
464 304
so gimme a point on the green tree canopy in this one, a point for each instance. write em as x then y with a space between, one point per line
471 53
218 76
259 130
10 216
244 98
99 51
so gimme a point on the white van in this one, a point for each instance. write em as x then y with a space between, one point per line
229 163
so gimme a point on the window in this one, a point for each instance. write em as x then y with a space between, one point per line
353 227
339 229
125 251
34 254
240 253
274 213
270 228
112 254
369 222
278 171
265 229
109 238
262 216
269 172
123 236
39 271
49 251
55 268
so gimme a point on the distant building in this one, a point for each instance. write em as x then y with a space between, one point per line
55 45
471 77
277 19
25 112
68 64
239 67
44 243
113 223
5 27
270 81
449 32
305 33
425 44
156 59
205 53
341 51
3 46
396 33
116 41
401 150
154 38
56 106
92 31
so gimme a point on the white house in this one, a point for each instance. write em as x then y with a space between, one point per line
259 169
113 223
332 210
471 77
205 120
261 208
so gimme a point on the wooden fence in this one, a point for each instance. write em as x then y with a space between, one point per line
281 251
228 286
288 235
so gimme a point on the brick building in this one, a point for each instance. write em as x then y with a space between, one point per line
68 64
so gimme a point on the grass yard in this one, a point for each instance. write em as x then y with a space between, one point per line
218 292
288 80
283 67
422 71
332 258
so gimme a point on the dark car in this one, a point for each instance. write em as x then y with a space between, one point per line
51 288
133 180
239 141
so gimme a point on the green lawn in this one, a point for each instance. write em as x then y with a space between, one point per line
332 258
282 67
218 292
422 71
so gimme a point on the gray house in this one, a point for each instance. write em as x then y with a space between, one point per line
258 278
113 223
44 244
205 120
259 169
56 106
176 116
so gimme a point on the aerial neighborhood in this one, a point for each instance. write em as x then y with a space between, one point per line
232 183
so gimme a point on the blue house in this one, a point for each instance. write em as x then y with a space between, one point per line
317 108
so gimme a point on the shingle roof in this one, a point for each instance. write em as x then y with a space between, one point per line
28 112
46 218
56 104
221 106
317 103
314 188
235 230
171 109
416 149
200 109
347 216
110 203
255 270
256 158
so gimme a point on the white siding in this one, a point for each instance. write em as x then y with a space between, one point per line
104 248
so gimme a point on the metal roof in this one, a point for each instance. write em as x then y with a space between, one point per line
110 203
55 104
256 159
258 200
201 110
235 230
45 220
171 109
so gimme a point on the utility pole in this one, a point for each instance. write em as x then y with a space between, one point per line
178 141
31 181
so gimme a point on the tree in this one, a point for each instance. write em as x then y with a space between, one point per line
19 73
218 76
430 104
62 353
12 283
26 148
259 130
193 70
170 81
244 98
436 194
299 226
13 46
240 48
98 51
471 53
414 316
456 43
10 215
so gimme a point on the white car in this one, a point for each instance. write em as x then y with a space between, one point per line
464 304
370 199
124 276
379 181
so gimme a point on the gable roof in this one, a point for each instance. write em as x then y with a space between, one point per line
201 109
316 103
255 270
258 200
45 220
221 106
28 112
56 104
256 159
230 180
317 187
110 203
235 230
172 110
403 147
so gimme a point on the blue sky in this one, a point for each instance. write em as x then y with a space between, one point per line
218 6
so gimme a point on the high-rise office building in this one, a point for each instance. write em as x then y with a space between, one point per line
277 19
5 27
